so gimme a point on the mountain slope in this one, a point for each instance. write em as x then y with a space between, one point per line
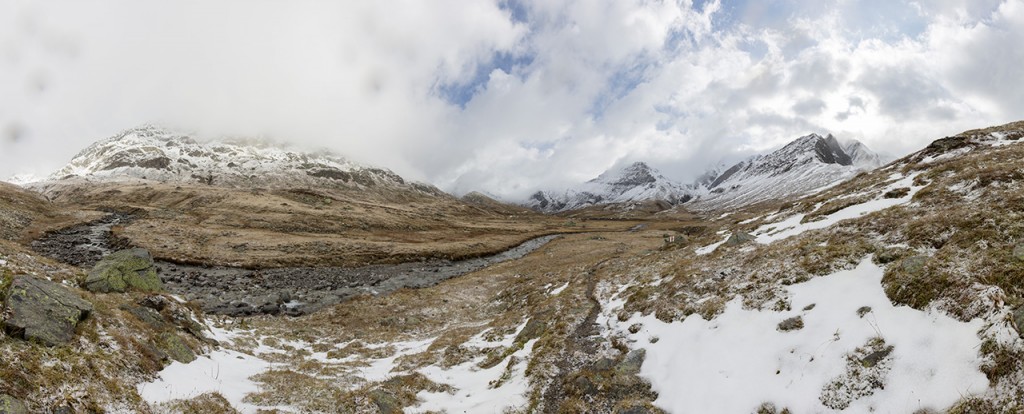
633 183
808 163
155 154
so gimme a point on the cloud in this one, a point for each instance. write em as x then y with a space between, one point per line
508 96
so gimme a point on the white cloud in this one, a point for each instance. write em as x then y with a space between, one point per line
508 96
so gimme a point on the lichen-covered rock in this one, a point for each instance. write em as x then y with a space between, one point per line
739 238
43 311
176 348
11 405
124 270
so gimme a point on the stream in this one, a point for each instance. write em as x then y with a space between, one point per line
292 291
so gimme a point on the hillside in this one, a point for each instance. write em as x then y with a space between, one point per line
897 290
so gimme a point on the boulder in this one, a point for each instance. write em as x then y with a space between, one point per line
43 311
122 271
11 405
176 348
1018 319
739 238
631 364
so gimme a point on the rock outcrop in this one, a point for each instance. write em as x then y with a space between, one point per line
43 311
125 270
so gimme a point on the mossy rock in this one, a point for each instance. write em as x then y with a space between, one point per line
176 348
11 405
739 238
124 270
43 311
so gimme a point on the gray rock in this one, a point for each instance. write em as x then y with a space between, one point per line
43 311
124 270
914 264
631 364
1018 319
874 358
11 405
739 238
148 316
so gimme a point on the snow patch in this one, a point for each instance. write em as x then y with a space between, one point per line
701 251
478 390
224 371
556 291
715 366
792 225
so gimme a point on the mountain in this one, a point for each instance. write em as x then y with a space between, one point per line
633 183
155 154
806 164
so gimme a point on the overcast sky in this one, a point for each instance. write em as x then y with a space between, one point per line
513 95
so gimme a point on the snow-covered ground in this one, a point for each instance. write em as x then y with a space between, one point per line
225 371
792 225
741 359
475 389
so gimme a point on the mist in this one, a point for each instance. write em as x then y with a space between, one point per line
505 96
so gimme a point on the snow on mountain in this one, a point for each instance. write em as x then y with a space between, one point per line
806 164
152 153
810 162
23 179
632 183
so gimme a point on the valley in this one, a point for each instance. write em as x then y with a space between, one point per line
895 288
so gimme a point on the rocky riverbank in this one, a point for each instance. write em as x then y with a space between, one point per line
293 291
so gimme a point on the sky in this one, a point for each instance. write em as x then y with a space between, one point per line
508 96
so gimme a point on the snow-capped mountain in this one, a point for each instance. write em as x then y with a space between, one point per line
156 154
632 183
808 163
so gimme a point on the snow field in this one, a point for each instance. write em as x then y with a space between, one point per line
740 359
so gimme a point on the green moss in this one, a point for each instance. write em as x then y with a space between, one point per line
176 348
122 271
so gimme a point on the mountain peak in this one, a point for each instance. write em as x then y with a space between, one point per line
634 182
806 163
635 174
153 153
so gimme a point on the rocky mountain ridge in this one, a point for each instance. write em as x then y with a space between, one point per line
633 183
156 154
805 164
